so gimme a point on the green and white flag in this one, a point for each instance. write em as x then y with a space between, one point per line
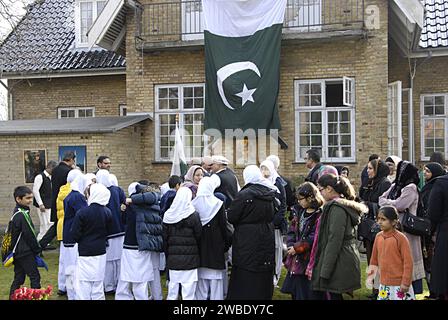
242 63
179 167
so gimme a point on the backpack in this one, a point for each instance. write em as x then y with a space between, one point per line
7 246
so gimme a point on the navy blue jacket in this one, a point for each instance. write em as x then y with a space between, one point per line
117 197
72 203
130 236
90 229
148 222
166 201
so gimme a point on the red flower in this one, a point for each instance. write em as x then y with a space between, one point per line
31 294
400 294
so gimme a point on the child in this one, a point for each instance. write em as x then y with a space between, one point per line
90 229
181 235
300 241
23 234
74 201
116 237
167 199
392 255
215 239
136 266
145 204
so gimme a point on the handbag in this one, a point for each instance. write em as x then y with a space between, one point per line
368 229
417 226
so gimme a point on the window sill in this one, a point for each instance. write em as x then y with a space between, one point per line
162 162
327 162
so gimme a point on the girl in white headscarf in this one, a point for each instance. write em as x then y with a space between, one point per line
90 229
280 224
181 235
136 265
215 239
253 244
116 238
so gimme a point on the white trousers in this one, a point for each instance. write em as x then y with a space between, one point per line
188 290
44 222
278 255
214 286
61 271
111 275
155 286
131 290
90 290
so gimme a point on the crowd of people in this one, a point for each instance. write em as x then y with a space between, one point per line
200 226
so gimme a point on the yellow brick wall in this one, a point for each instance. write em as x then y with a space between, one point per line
122 147
40 98
364 59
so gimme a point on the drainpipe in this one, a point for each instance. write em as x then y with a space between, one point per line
411 120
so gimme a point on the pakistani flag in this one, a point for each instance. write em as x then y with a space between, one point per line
242 58
179 167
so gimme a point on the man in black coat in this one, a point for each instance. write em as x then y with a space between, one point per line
58 179
313 163
229 183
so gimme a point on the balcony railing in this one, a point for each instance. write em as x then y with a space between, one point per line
183 20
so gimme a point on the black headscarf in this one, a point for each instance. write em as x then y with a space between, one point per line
436 169
381 171
407 173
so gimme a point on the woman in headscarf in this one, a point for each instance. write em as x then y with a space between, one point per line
403 195
378 183
136 269
431 171
268 171
90 229
116 237
392 162
74 201
192 178
181 236
215 239
253 244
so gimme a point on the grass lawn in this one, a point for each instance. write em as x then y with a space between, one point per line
50 278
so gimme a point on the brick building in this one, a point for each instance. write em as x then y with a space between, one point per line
345 83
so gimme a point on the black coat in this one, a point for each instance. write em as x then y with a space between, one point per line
58 179
215 241
181 243
438 214
313 175
229 185
27 244
370 195
251 213
279 216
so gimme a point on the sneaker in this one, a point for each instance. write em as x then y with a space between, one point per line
62 293
109 293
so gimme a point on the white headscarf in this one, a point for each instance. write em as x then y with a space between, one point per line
87 181
113 180
75 177
164 188
103 177
181 207
98 194
252 174
274 175
132 188
205 203
275 160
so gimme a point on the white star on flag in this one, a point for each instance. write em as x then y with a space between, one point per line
246 95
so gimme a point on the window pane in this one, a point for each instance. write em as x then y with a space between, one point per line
332 140
163 104
164 131
164 152
345 140
81 113
344 128
89 113
100 6
316 100
316 141
173 104
316 129
346 152
439 124
199 103
332 116
198 92
428 111
163 92
63 113
332 128
86 19
304 101
345 116
316 117
304 128
439 143
332 152
304 140
173 92
71 113
439 100
188 92
316 88
304 117
440 110
428 101
304 89
188 103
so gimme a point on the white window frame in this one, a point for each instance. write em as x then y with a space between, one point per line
78 38
324 112
76 109
395 147
433 117
123 109
180 111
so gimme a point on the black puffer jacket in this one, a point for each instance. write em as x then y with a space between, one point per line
21 223
181 243
251 213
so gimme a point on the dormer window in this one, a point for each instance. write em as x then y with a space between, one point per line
86 11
